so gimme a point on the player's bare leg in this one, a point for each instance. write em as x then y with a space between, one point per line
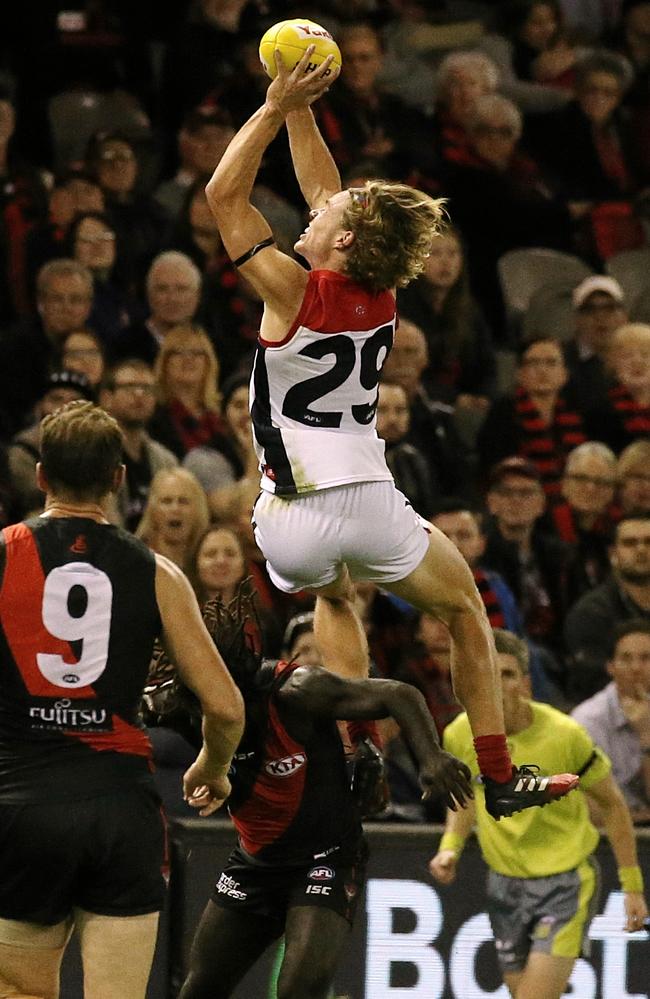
339 631
30 959
101 938
544 977
314 938
443 585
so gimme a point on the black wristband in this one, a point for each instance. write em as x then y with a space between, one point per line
245 257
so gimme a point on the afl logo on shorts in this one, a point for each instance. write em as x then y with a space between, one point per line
285 767
321 874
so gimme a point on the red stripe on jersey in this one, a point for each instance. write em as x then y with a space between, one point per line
275 798
123 738
21 615
334 304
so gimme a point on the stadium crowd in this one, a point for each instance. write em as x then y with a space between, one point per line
515 404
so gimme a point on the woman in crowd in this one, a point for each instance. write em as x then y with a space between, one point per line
535 58
461 366
83 351
633 476
534 422
92 241
187 379
625 415
175 517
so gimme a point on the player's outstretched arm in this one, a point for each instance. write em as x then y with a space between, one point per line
620 832
315 691
458 825
201 668
316 171
278 278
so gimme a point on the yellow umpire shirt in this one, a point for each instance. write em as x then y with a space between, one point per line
538 842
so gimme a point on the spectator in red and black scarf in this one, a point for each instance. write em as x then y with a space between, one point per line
625 414
187 375
536 422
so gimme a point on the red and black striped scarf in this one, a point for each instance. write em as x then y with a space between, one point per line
195 431
566 527
633 415
490 600
547 446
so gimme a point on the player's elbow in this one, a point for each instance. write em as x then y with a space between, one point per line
221 193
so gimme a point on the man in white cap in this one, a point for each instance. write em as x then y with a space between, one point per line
599 310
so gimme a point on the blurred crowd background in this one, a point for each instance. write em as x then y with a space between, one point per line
515 405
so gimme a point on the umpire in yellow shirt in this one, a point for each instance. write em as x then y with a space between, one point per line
543 879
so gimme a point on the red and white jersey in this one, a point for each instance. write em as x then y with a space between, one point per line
314 394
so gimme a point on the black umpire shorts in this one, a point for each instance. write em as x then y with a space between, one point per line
106 855
334 883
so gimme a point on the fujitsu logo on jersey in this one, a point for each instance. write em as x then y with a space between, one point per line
286 766
67 714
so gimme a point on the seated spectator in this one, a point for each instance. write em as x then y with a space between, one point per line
139 221
23 204
536 422
31 348
618 716
202 141
175 517
229 470
501 201
588 147
83 351
432 428
590 623
533 54
462 78
427 665
464 529
408 465
530 558
72 193
599 310
633 476
187 388
128 394
462 368
360 121
24 451
633 42
173 295
624 415
92 240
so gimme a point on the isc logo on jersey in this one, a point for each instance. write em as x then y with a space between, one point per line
320 874
285 767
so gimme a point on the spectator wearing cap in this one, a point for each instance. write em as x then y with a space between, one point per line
299 641
202 141
32 347
535 422
24 450
599 310
591 622
530 558
624 415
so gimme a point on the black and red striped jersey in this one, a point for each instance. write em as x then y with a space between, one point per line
78 618
291 800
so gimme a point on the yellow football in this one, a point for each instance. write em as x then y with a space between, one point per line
291 38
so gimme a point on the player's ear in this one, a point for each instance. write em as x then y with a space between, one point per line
41 479
345 240
118 478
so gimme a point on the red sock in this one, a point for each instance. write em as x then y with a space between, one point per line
362 728
493 757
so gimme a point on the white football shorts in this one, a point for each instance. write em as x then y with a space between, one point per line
369 526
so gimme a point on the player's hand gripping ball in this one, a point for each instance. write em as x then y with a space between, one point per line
291 38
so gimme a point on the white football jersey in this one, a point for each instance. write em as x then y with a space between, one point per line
314 394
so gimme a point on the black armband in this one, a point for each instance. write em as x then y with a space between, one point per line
245 257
